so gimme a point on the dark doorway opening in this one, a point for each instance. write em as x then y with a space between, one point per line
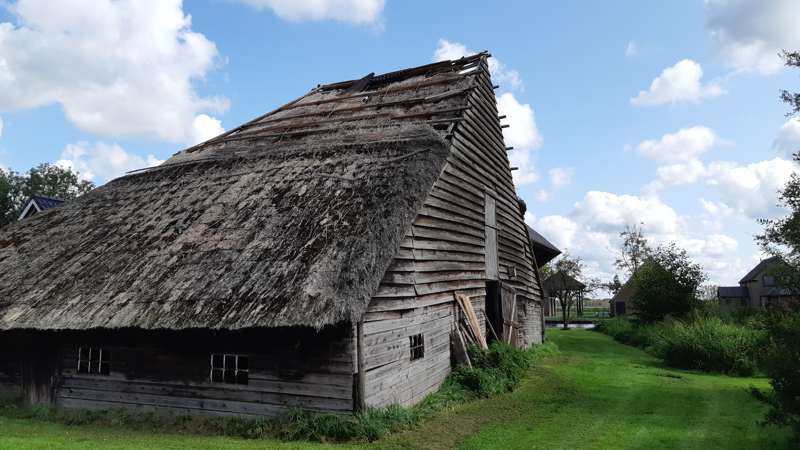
494 309
620 310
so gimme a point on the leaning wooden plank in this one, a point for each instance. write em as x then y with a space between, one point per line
509 298
466 306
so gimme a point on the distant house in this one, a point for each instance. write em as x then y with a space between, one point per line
544 252
757 289
37 204
621 301
306 259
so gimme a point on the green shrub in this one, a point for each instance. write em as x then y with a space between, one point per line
781 362
627 331
708 344
701 342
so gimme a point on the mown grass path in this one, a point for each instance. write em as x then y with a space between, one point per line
596 394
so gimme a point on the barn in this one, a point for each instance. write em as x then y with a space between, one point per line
308 258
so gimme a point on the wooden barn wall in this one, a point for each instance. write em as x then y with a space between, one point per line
444 252
10 377
170 373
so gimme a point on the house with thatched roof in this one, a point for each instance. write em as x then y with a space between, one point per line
308 258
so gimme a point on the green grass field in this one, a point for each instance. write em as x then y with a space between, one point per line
597 394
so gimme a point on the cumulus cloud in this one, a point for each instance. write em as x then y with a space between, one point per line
522 134
559 230
749 34
788 141
100 162
716 209
752 189
684 145
500 73
591 231
205 127
115 67
350 11
681 83
612 212
681 173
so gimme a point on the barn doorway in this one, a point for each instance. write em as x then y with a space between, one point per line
494 309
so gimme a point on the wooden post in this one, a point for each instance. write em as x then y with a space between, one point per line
362 376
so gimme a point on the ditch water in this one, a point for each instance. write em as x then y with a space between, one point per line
586 326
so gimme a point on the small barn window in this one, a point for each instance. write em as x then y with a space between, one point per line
94 360
230 368
417 343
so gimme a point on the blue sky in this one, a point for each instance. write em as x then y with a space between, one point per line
111 86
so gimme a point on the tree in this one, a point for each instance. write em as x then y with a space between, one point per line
613 286
707 292
666 284
563 284
634 249
781 355
46 180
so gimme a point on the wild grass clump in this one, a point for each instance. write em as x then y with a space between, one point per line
498 369
710 345
701 342
628 332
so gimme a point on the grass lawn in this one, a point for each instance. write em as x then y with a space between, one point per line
597 394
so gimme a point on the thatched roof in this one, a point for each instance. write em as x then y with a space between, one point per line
560 281
289 220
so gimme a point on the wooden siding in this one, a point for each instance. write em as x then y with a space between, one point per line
316 377
10 377
445 251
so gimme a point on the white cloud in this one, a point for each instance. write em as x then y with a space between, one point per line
631 49
350 11
100 162
561 176
591 231
717 209
788 141
681 173
522 131
681 83
522 134
559 230
204 128
684 145
501 74
606 211
115 67
751 190
749 34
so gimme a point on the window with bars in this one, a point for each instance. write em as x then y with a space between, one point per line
417 343
229 368
94 360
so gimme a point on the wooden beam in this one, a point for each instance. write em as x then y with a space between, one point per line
362 368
